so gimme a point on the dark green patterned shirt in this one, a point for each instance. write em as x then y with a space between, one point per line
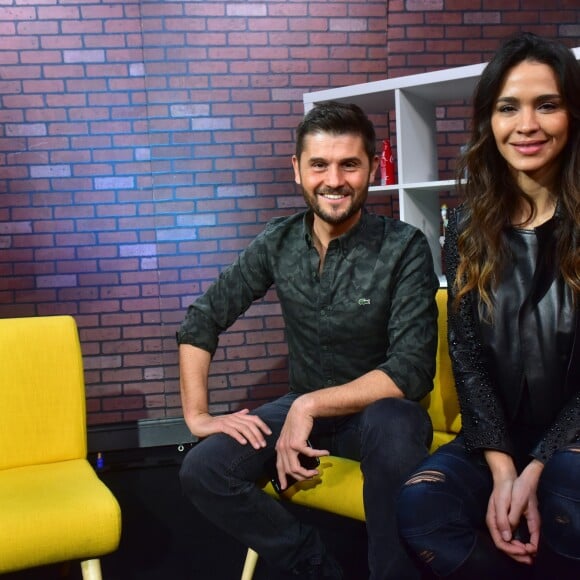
371 307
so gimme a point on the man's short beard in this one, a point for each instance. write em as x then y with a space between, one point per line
331 218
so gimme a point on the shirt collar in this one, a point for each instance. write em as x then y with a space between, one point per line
348 240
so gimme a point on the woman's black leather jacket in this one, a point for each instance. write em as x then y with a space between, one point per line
530 387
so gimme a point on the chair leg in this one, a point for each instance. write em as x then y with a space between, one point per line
250 565
91 569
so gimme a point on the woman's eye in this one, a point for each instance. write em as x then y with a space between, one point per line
548 107
506 108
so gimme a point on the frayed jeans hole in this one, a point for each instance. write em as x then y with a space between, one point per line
427 476
426 556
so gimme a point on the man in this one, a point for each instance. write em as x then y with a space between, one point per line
357 294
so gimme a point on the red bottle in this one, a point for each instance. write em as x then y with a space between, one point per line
387 166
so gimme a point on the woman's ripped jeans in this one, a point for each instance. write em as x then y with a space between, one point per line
442 507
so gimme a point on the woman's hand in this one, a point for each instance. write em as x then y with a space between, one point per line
513 502
499 524
241 426
525 503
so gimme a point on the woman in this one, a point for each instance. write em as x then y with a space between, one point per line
503 499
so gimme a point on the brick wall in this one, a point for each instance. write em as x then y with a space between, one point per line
144 143
429 35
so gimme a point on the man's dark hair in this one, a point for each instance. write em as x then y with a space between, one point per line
337 119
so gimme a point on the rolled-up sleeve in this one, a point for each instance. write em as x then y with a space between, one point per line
245 281
412 323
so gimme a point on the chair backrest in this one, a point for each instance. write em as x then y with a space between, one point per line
442 403
42 395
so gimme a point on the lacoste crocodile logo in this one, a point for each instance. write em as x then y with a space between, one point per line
364 301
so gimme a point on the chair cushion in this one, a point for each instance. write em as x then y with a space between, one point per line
441 403
341 493
55 512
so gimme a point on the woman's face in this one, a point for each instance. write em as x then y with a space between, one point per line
530 122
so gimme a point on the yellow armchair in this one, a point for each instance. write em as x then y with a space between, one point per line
338 488
53 507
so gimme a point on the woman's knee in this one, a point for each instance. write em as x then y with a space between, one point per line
431 520
559 498
562 471
414 496
423 503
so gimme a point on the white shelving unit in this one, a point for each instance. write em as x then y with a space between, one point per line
414 99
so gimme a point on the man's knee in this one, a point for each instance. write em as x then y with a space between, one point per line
396 413
192 465
201 469
398 421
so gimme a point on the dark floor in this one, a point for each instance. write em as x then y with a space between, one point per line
164 538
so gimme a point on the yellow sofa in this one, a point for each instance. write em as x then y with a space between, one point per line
53 507
338 488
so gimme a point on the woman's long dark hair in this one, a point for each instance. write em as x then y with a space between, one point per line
490 191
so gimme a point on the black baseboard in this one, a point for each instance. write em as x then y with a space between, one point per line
139 434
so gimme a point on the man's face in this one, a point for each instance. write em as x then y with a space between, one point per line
334 173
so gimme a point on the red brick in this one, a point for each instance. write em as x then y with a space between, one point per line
58 13
102 12
204 9
486 18
86 27
17 13
122 403
56 281
34 28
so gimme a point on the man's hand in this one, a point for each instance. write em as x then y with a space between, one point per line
294 440
194 371
241 426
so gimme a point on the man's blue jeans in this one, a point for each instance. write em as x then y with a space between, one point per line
442 509
390 438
